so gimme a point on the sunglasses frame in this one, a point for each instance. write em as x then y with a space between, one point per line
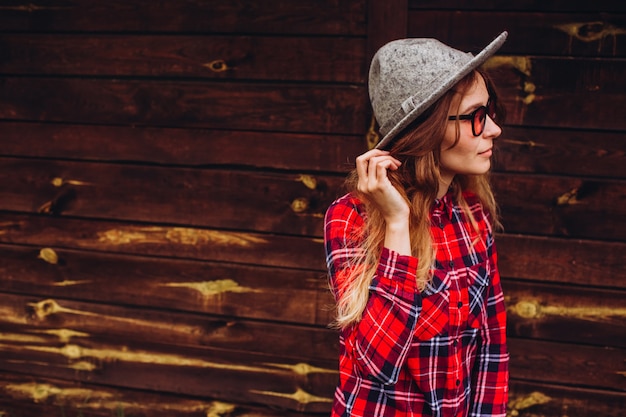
491 104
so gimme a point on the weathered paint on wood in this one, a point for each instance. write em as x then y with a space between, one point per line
539 311
274 294
545 259
548 92
283 203
532 399
594 34
22 396
114 318
226 376
551 312
562 206
261 201
284 17
94 234
163 241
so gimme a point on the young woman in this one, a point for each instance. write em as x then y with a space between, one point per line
410 249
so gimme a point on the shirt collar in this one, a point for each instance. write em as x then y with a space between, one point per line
446 203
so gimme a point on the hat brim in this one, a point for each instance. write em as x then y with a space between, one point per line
447 84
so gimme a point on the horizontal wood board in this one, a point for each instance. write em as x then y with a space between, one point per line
165 175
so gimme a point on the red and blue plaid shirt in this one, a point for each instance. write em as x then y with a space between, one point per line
440 352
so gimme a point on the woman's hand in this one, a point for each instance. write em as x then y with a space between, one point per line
375 185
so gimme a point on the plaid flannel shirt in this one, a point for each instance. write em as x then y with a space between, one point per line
440 352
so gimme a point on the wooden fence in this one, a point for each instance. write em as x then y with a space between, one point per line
165 167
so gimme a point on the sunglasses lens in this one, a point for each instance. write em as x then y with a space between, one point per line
491 109
480 116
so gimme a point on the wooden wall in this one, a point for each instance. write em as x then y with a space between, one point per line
164 170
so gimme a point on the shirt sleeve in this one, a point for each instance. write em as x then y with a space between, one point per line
491 369
379 343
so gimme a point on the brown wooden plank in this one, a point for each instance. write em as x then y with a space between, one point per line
173 326
521 5
561 152
24 396
567 261
322 59
387 20
540 311
519 149
213 288
207 373
594 34
216 105
588 263
191 147
163 241
562 206
563 313
537 399
282 203
146 365
222 16
582 93
292 203
558 92
567 364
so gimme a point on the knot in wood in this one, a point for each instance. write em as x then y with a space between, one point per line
219 65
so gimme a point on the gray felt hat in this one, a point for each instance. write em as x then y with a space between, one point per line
408 75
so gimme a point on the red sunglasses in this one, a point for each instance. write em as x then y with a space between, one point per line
479 117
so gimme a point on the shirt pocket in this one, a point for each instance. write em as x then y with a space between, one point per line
434 318
479 280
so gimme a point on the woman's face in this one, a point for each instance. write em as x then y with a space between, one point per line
472 154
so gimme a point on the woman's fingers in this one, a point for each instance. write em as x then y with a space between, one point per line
363 161
372 169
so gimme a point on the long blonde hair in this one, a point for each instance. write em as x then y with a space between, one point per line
417 179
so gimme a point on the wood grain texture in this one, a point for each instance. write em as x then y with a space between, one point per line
567 261
200 372
114 319
326 17
568 364
24 396
231 290
520 5
530 258
183 147
215 105
531 399
592 34
282 203
562 206
167 241
574 152
519 149
557 312
310 59
236 292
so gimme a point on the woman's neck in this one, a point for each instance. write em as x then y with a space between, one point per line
444 185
